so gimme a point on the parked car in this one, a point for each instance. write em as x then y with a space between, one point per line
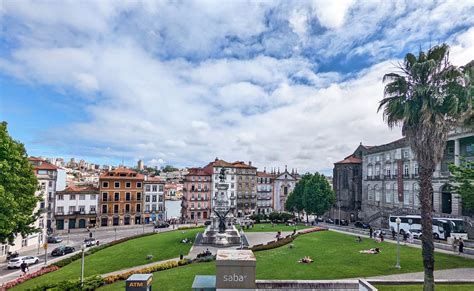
89 242
162 225
54 239
62 250
329 220
360 224
16 262
416 233
207 222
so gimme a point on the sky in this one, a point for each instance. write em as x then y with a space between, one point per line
277 83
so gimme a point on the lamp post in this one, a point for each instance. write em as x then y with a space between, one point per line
398 221
339 206
83 247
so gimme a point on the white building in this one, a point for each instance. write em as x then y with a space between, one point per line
264 192
76 207
154 199
284 184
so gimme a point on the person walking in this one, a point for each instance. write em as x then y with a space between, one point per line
393 234
461 246
455 244
24 268
371 231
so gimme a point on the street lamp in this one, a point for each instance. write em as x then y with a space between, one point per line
83 248
339 206
398 221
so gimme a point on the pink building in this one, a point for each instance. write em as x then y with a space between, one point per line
196 202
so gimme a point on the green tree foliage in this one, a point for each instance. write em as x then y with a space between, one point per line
18 184
463 182
169 168
312 194
428 96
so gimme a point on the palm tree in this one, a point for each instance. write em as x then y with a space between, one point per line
428 97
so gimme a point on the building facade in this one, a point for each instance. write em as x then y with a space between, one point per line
246 176
264 192
76 207
154 191
121 197
196 202
284 184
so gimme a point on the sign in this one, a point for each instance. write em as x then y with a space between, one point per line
400 180
139 282
235 269
410 221
45 246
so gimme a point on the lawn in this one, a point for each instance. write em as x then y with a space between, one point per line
180 278
128 254
267 227
419 287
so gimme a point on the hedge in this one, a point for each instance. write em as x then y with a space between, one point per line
190 227
28 276
90 283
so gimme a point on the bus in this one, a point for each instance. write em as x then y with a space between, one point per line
442 227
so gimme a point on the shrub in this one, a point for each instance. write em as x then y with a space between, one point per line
32 275
280 216
90 283
189 227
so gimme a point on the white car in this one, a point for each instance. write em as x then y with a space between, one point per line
16 262
416 233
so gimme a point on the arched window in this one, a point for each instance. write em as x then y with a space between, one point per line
388 193
395 193
370 196
406 194
377 192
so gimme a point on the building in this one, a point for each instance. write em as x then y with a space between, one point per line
196 202
264 192
121 198
390 180
76 207
140 165
283 185
347 184
154 192
246 176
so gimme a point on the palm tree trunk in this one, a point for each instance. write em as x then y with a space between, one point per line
426 198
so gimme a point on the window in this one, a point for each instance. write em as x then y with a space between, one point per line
104 196
388 194
60 197
405 154
415 168
377 193
139 208
370 194
116 196
147 208
153 207
406 194
116 184
82 197
377 158
104 208
127 196
128 184
92 209
387 170
93 197
60 209
469 148
161 188
369 172
72 209
153 198
160 198
147 188
72 197
139 196
139 184
147 198
24 242
406 170
50 184
82 209
116 208
387 156
154 188
105 184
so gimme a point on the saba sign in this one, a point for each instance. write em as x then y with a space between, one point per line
235 269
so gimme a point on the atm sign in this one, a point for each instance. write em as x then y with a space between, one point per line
136 284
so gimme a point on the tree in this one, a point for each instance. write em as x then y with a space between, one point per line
427 97
294 202
18 184
463 182
318 197
169 168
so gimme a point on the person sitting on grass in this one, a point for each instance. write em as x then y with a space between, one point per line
359 239
372 251
306 260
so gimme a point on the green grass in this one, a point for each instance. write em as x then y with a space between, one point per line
419 287
131 253
180 278
336 256
267 227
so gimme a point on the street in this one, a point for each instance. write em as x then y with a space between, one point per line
74 240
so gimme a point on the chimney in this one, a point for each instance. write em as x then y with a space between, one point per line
250 163
286 169
264 169
216 159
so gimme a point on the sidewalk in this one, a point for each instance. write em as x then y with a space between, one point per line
460 274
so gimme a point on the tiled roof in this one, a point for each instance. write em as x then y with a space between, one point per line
130 174
80 189
199 172
350 160
240 164
154 179
264 174
40 164
220 163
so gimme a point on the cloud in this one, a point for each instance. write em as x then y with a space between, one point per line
184 82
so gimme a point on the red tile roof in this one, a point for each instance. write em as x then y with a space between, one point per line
40 164
220 163
154 179
129 174
350 160
80 189
264 174
199 172
240 164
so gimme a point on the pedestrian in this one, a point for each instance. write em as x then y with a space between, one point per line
371 232
381 237
393 234
455 244
24 267
461 246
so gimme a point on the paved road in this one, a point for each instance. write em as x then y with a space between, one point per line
75 240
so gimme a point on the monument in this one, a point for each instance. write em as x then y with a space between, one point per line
221 231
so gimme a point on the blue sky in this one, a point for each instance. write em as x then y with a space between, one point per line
183 82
